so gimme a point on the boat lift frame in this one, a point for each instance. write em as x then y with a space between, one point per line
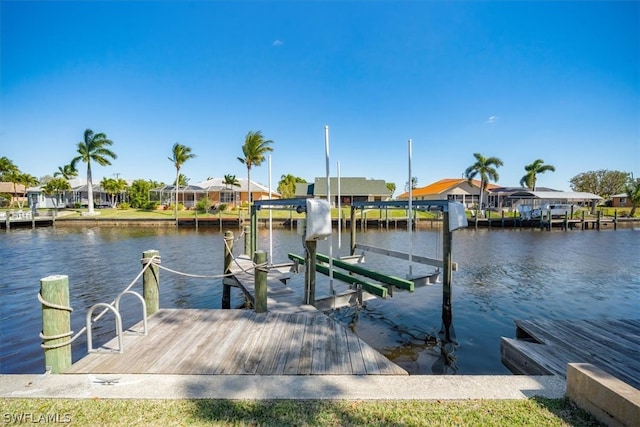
443 206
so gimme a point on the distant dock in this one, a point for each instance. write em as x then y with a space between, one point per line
24 219
545 347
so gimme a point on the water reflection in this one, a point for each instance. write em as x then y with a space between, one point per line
503 275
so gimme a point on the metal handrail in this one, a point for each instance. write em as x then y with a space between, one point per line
110 307
144 308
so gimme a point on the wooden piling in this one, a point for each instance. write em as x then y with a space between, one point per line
247 240
228 259
352 229
56 323
447 333
151 282
310 272
260 274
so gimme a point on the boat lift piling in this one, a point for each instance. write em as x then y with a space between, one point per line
453 218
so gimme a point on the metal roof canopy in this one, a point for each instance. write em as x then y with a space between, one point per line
442 205
554 195
282 203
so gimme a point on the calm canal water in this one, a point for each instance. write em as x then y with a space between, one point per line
503 275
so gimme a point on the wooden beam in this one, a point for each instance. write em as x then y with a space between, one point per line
390 280
372 288
402 255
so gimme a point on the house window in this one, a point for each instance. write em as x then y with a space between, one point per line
227 197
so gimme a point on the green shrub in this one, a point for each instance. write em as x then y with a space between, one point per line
151 206
203 205
123 206
222 207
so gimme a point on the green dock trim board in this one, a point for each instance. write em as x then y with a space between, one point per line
384 278
372 288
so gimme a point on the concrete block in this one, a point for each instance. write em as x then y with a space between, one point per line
607 398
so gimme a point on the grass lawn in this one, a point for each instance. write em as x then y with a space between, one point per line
230 214
529 412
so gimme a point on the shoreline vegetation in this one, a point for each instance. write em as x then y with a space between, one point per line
535 411
281 214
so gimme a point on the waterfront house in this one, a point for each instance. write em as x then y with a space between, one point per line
14 193
215 190
45 201
79 196
539 198
236 195
352 189
454 189
621 200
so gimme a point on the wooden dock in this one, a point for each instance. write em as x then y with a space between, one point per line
544 347
290 339
236 342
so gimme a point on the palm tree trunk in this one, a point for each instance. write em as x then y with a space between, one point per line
249 185
175 208
89 188
481 197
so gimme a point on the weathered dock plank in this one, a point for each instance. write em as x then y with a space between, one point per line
292 363
547 346
229 335
212 342
579 344
355 354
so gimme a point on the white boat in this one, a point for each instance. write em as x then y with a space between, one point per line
557 210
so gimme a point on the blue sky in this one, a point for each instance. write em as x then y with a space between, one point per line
559 81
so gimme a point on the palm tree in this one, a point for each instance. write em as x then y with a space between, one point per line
633 192
14 176
113 187
254 149
6 167
93 148
529 180
68 172
56 186
391 186
231 181
180 154
287 185
27 181
486 168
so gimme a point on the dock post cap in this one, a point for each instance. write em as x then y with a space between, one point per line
55 277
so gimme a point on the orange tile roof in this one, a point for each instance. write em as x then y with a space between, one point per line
442 186
7 187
